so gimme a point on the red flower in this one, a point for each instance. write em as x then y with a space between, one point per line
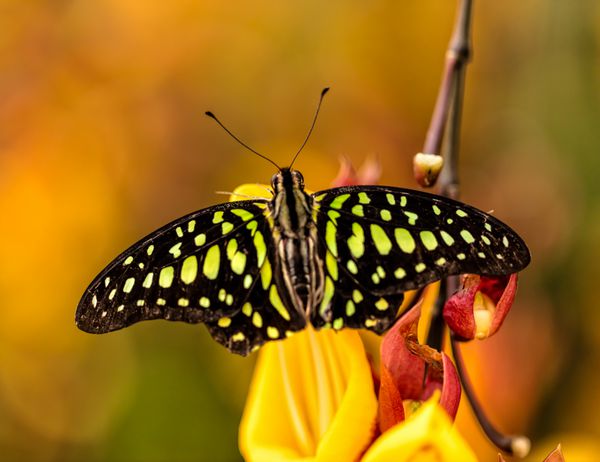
478 309
411 371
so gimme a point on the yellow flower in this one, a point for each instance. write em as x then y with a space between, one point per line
313 398
428 435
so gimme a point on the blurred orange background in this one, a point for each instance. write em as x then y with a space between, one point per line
103 139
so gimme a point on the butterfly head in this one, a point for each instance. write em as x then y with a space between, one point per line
287 179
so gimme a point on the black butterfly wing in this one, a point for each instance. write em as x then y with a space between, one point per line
211 266
382 241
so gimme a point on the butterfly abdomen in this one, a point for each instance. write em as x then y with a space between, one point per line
300 271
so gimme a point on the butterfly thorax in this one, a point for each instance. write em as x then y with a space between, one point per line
294 235
291 206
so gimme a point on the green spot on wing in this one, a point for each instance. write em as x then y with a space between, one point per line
243 214
358 210
356 242
363 198
350 308
200 239
467 236
386 215
327 296
428 240
332 266
330 231
261 247
212 261
339 201
412 217
449 240
380 239
238 263
217 217
165 278
231 248
189 269
128 285
405 240
277 303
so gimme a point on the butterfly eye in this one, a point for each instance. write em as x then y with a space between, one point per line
298 178
274 180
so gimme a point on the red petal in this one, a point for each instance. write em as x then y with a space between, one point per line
458 313
449 387
451 390
391 409
406 369
504 303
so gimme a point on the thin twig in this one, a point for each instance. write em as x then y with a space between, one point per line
459 53
517 445
447 112
449 102
447 118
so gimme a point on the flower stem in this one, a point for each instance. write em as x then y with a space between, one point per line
448 106
446 119
457 58
447 115
512 444
435 336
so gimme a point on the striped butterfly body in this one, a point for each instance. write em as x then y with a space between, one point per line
259 270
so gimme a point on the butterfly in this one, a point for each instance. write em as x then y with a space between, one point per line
259 270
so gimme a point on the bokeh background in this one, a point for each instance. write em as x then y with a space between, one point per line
103 139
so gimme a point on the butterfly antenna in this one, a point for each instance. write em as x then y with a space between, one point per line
323 93
214 117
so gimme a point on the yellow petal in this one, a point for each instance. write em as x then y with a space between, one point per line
311 399
428 435
250 191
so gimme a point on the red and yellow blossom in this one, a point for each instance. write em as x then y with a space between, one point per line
478 309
